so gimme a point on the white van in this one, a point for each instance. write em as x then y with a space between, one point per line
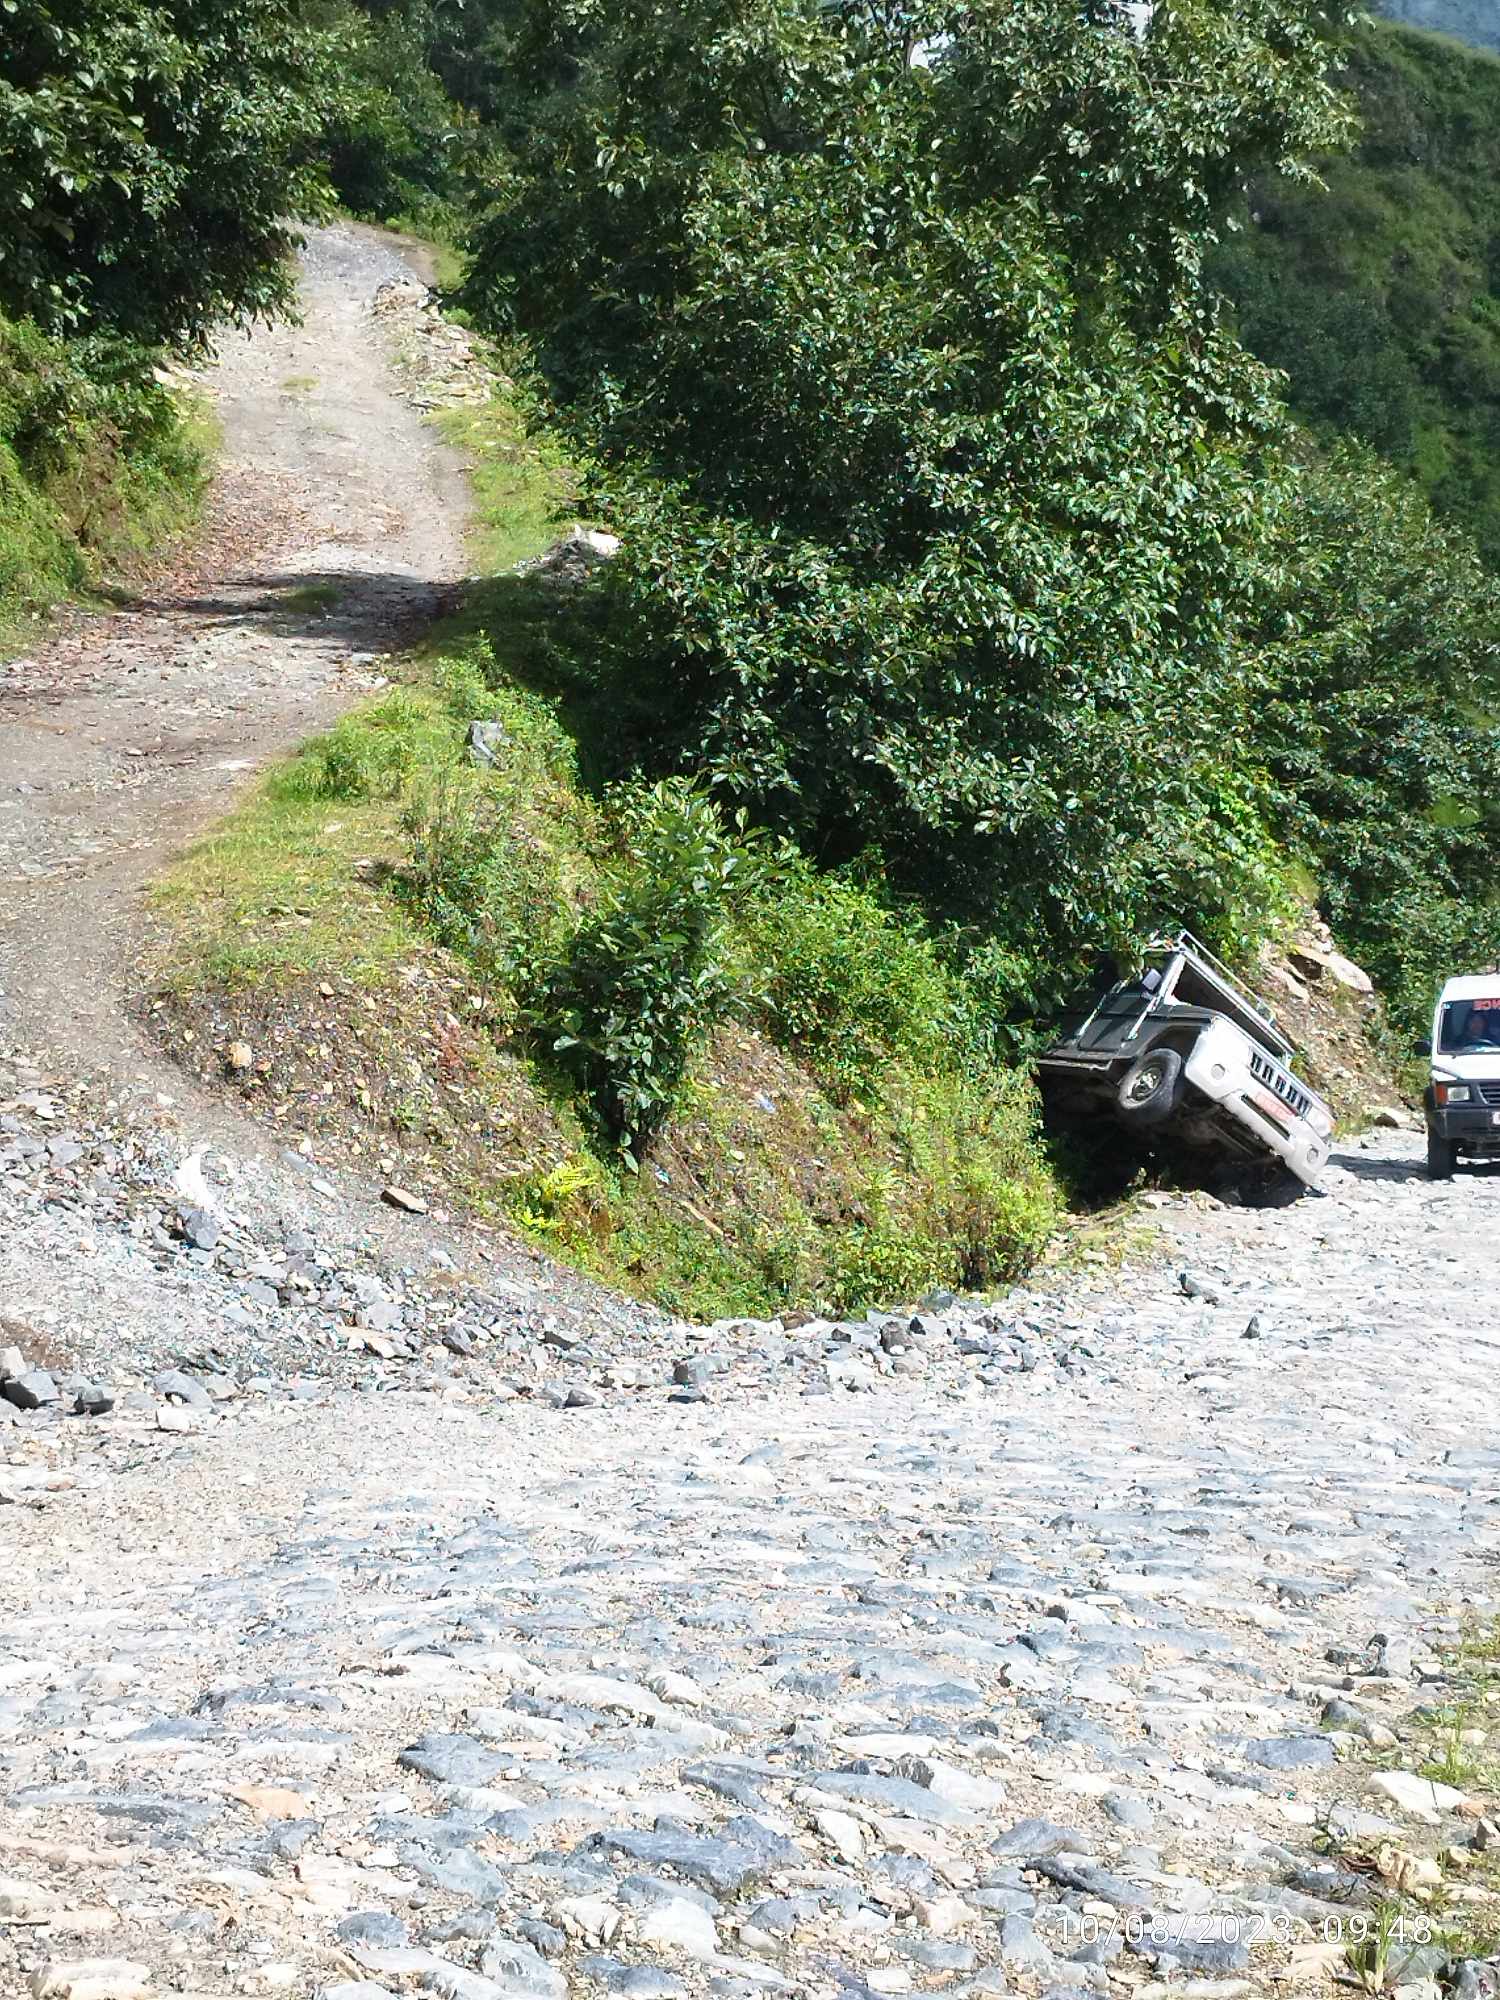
1463 1098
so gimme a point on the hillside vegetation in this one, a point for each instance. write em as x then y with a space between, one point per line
98 463
979 608
1379 293
961 536
1474 21
666 1048
152 155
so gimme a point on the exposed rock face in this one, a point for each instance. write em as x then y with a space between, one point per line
1329 1007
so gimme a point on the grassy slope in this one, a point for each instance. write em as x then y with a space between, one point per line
291 932
1381 297
98 465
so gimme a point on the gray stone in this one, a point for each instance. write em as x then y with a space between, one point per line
33 1389
520 1971
726 1867
1088 1880
1030 1838
487 740
1288 1753
1021 1950
373 1927
635 1982
198 1227
182 1388
452 1760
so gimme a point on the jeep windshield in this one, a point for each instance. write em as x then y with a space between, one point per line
1469 1025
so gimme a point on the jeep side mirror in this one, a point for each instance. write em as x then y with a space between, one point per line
1421 1051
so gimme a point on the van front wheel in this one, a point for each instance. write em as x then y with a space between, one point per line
1151 1089
1442 1157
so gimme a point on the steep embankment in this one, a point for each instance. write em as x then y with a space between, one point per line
100 462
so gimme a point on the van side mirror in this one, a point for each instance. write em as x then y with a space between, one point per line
1421 1051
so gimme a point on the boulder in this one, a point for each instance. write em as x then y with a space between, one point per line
1322 965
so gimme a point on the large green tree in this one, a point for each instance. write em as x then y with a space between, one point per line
154 155
940 484
1377 647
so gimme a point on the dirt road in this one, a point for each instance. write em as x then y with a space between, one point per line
334 525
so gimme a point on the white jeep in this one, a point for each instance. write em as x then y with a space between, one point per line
1184 1052
1462 1100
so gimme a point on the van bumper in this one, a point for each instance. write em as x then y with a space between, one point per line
1471 1127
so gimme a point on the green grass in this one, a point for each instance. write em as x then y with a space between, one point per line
519 484
1458 1759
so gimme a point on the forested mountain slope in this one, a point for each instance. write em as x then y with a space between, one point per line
1381 296
1476 21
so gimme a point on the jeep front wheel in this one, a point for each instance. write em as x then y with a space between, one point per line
1442 1157
1151 1088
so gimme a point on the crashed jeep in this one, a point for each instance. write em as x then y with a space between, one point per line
1186 1058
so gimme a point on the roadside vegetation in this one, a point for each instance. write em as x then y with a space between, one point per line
98 465
659 1043
153 155
980 606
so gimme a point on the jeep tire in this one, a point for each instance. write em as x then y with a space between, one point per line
1442 1156
1151 1089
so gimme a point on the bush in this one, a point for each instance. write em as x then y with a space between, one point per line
153 157
645 974
1380 648
500 856
846 983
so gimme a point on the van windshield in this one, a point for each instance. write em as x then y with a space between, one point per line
1469 1024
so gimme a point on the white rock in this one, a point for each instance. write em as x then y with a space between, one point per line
677 1687
680 1925
843 1834
92 1979
595 1918
603 1691
25 1902
1415 1794
963 1788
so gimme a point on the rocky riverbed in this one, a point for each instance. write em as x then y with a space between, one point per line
388 1636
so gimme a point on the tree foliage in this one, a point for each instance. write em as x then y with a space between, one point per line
154 156
939 482
1379 651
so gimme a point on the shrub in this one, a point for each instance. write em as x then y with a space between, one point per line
499 857
645 974
846 983
153 157
988 1195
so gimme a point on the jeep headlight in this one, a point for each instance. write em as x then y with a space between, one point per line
1454 1093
